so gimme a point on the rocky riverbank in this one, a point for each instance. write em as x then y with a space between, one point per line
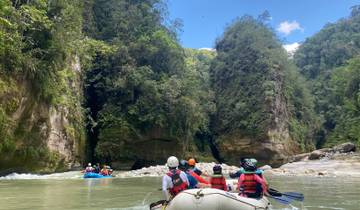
160 170
341 160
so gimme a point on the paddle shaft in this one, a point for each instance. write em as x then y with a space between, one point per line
294 195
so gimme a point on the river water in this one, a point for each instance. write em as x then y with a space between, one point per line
70 191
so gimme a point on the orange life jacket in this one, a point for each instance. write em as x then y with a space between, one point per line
178 184
218 182
249 183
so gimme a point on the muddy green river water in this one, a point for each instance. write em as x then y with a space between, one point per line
70 191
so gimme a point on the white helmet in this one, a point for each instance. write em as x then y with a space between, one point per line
89 164
172 162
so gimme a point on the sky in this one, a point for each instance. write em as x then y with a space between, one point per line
293 21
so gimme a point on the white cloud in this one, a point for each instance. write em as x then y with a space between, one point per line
288 27
291 48
207 48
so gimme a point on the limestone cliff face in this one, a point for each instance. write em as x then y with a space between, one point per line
37 136
276 145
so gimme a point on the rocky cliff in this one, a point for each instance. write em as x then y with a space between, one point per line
275 145
38 136
263 109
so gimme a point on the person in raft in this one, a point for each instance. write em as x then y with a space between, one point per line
217 180
193 182
89 168
110 170
175 180
192 166
97 168
104 171
251 184
192 172
242 170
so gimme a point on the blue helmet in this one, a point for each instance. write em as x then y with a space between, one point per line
183 165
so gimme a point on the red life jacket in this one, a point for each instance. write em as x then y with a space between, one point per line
218 182
178 184
249 183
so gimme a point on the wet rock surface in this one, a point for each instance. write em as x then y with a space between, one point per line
341 160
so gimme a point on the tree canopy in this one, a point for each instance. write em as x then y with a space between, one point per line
252 78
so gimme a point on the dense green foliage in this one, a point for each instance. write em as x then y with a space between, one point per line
344 101
140 84
38 41
253 81
317 59
144 83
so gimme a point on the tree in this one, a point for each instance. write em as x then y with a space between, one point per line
318 58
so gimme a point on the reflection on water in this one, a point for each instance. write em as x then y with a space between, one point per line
137 193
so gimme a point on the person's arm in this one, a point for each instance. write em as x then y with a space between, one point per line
263 183
183 176
165 188
240 181
199 172
198 178
235 175
203 185
224 184
266 183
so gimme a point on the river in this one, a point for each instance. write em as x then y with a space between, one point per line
69 191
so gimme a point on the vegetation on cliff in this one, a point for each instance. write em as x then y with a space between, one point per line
38 41
257 87
115 70
143 89
324 60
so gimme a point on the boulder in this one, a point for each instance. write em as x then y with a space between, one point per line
299 157
317 154
345 148
275 149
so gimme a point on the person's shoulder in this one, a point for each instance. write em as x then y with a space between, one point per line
259 171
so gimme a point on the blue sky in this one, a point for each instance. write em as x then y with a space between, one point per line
205 20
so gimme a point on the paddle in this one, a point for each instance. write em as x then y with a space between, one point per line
293 195
162 202
282 199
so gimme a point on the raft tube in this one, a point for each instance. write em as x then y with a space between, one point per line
213 199
95 175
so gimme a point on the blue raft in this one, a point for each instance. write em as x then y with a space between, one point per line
95 175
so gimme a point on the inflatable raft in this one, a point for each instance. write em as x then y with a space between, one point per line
213 199
95 175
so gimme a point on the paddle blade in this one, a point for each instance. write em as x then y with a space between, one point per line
294 195
282 199
160 202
